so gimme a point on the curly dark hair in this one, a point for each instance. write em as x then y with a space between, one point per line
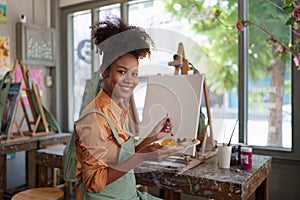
114 38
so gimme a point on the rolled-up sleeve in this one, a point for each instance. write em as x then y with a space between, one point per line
92 151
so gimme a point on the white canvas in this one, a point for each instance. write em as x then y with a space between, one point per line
179 96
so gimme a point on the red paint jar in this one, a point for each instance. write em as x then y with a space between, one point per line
246 158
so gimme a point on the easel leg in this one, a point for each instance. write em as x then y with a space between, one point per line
39 103
25 114
203 145
207 103
19 126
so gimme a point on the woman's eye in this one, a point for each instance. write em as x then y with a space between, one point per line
135 74
122 72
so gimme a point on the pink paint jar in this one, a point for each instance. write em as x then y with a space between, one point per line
246 158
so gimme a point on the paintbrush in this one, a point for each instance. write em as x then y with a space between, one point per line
229 143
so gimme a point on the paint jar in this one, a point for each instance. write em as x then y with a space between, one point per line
235 155
224 155
246 158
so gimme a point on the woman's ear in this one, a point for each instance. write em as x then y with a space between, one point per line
105 74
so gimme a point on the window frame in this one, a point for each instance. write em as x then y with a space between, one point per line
66 116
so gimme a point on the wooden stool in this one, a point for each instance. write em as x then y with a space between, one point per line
43 193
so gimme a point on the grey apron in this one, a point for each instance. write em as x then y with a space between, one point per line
125 186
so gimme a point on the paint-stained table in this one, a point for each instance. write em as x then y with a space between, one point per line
207 180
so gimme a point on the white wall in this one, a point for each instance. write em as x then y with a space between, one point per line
64 3
38 13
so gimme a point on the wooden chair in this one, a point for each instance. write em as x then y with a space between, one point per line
42 193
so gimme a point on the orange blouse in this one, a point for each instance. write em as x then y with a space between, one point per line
96 147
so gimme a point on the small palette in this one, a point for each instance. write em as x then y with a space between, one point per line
179 143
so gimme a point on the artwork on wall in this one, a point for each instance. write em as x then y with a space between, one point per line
35 44
3 17
4 51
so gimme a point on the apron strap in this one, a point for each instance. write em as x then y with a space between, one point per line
111 126
127 127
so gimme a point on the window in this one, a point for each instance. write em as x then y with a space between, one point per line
266 117
82 53
82 66
269 79
153 16
109 10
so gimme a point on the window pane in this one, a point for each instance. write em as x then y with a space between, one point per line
269 97
82 52
110 10
214 57
103 12
81 56
151 14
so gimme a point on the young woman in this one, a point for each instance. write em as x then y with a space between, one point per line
105 149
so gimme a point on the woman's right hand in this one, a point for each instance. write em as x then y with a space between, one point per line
155 152
162 129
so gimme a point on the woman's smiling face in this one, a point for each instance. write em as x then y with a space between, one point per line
122 77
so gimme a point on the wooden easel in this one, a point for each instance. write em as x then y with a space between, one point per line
10 135
182 64
179 61
38 115
19 134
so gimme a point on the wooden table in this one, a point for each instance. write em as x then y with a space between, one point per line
207 180
29 145
48 158
53 139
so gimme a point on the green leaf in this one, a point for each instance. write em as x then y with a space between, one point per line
276 54
290 21
288 9
284 57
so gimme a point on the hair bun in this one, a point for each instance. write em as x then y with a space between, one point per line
107 27
114 38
